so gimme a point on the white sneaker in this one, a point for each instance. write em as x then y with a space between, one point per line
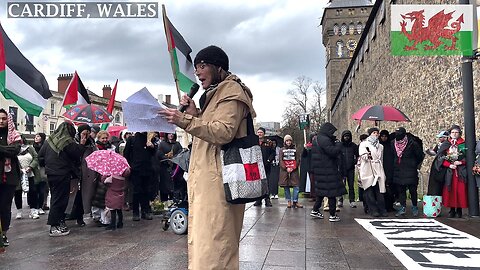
19 215
40 211
33 214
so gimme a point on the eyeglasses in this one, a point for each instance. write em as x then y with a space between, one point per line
201 66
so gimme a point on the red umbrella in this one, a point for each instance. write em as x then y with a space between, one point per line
380 113
107 162
88 113
115 130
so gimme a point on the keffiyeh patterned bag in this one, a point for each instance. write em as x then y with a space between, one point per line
244 176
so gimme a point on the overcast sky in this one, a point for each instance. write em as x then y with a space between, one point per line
269 43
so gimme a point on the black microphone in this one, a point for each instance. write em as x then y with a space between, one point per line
369 153
193 91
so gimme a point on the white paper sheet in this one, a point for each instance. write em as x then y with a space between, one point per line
140 113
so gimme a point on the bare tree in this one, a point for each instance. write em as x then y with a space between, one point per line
300 93
317 109
302 102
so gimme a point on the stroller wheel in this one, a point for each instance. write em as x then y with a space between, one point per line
179 222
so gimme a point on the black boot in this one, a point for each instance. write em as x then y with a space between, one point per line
451 214
268 203
258 203
120 219
113 221
459 213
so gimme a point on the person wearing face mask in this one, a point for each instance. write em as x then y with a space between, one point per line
214 224
372 174
454 193
408 157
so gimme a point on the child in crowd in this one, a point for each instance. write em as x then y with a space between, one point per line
115 198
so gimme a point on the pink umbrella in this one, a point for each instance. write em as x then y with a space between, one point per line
107 162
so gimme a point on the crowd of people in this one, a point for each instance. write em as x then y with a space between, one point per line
57 166
384 164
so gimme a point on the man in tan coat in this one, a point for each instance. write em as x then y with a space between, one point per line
214 225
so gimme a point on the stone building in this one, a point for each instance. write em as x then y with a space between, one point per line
343 23
427 89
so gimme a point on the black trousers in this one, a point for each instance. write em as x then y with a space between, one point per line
35 195
375 200
332 204
18 199
6 196
141 192
59 189
390 196
350 180
402 194
77 209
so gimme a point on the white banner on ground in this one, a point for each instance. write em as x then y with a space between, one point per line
426 243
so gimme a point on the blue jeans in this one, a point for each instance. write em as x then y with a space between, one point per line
296 190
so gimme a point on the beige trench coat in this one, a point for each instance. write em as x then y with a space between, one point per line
371 171
214 226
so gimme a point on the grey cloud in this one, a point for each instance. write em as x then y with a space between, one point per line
136 50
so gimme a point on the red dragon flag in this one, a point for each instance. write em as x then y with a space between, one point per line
432 30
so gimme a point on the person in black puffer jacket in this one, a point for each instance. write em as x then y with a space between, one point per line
326 170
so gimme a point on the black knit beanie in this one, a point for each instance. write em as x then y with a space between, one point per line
371 130
84 127
212 55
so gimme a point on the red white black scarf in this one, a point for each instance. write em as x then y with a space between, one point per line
400 147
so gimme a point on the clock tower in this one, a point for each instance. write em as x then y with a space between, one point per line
342 26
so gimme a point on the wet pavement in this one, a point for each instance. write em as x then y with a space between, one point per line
272 238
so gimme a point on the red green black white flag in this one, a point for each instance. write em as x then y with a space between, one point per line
182 64
20 80
76 93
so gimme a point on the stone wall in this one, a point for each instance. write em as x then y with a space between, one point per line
427 89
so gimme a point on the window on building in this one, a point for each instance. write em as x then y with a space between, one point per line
339 12
29 123
336 29
359 28
52 109
13 111
52 127
343 30
117 118
351 11
351 28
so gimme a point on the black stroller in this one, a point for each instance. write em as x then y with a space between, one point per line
177 215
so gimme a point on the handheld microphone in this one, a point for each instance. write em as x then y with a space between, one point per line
193 91
369 153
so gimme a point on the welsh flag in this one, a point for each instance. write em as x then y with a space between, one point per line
432 30
76 93
182 64
20 80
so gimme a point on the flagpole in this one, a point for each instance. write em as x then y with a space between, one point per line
170 50
63 100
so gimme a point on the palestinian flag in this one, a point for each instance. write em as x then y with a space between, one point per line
76 93
20 80
182 64
111 104
432 30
